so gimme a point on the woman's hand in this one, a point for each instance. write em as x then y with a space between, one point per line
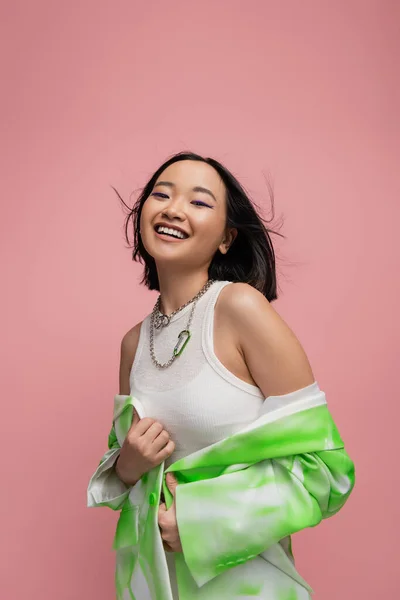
167 520
146 445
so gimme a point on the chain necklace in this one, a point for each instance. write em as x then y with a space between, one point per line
158 320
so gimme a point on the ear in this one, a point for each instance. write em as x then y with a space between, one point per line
228 240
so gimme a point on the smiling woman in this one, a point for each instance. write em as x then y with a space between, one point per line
222 445
200 197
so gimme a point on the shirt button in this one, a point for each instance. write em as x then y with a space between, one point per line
152 499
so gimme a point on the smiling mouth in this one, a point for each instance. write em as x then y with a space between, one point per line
171 233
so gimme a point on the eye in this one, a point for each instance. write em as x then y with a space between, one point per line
159 194
200 203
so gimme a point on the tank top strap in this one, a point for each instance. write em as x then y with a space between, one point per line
207 333
208 319
208 344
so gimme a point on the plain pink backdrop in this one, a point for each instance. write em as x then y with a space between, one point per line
100 93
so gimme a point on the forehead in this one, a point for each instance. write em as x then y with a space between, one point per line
190 173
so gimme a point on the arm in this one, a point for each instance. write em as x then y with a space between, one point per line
110 485
128 351
229 519
270 349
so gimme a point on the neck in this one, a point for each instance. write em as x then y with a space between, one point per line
177 289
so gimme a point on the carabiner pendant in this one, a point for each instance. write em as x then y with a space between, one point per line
183 339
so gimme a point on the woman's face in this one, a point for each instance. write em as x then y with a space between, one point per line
189 196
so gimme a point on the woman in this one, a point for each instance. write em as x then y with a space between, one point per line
211 359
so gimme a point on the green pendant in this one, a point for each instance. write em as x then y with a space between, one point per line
183 339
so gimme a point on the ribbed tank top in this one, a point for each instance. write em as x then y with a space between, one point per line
197 399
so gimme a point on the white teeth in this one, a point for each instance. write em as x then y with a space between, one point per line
174 232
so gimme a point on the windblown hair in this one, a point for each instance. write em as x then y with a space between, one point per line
251 257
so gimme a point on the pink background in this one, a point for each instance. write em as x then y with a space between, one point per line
100 93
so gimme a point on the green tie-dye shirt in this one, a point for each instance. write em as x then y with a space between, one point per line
237 503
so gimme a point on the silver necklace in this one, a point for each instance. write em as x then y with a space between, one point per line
158 320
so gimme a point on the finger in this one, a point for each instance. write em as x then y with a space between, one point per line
152 432
162 507
171 482
143 425
166 452
160 515
161 440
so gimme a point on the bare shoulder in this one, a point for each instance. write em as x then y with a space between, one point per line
129 344
131 338
250 310
273 353
241 300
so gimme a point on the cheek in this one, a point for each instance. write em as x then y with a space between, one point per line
214 228
147 213
211 219
210 238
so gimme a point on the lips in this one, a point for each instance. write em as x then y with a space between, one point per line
168 238
170 226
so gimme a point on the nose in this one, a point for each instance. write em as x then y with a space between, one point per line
174 209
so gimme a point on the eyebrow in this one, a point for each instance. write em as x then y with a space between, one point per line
197 188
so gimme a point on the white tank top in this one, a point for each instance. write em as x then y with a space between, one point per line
197 399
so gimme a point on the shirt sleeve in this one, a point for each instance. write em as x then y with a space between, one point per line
229 519
105 487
